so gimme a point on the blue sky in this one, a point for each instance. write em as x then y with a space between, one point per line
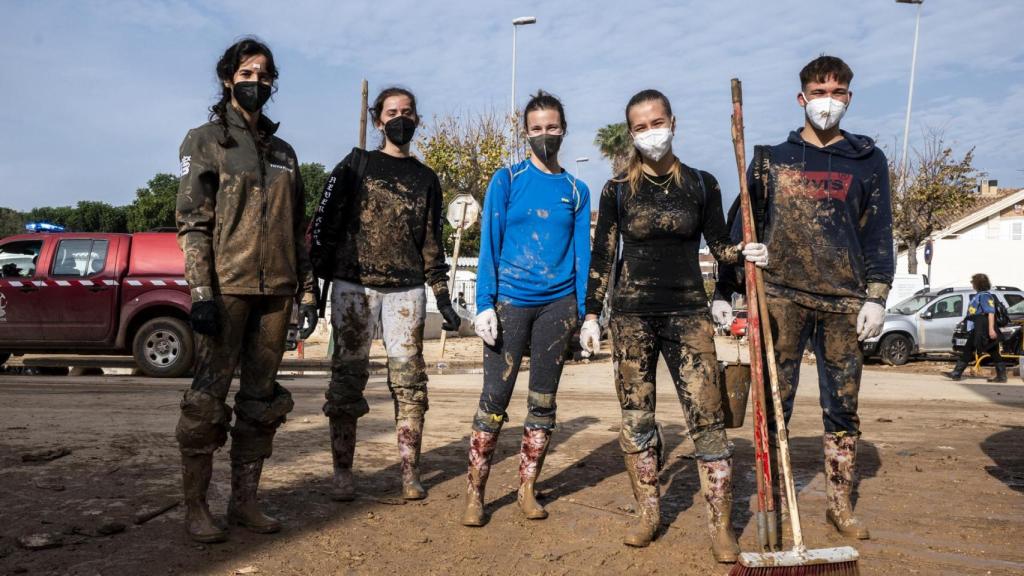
96 96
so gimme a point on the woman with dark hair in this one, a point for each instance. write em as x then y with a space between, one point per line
983 331
654 215
377 233
240 214
531 279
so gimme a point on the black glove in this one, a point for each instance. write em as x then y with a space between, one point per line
206 317
451 319
308 317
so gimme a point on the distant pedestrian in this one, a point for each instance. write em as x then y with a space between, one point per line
982 331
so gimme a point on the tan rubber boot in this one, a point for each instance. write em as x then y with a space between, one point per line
196 472
531 460
243 509
481 449
643 475
343 448
410 437
716 483
840 462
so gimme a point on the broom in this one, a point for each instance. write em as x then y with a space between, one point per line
799 561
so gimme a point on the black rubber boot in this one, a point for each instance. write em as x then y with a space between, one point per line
1000 374
957 372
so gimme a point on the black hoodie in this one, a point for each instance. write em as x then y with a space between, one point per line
827 222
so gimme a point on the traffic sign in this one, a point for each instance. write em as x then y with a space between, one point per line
929 250
463 211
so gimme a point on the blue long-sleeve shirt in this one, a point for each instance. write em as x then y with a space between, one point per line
535 238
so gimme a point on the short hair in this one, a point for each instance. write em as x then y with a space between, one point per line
980 282
824 67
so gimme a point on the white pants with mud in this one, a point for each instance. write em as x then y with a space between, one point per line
357 311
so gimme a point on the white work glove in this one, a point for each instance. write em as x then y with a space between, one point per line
590 337
870 320
721 312
486 326
756 253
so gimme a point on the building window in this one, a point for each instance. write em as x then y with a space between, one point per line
1017 231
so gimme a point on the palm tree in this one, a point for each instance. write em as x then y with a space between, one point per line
615 144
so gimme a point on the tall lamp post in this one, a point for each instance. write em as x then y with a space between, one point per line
521 21
910 93
579 161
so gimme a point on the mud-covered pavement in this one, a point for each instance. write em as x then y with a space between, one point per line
942 483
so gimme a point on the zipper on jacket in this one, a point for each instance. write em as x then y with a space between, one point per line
263 210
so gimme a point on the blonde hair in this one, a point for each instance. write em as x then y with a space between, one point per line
634 172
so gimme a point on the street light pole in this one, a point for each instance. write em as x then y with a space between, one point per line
522 21
910 93
579 161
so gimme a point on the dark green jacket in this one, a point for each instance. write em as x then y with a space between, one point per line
240 212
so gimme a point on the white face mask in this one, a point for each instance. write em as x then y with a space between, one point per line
653 143
824 113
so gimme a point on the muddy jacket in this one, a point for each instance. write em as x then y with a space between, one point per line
386 226
240 211
827 220
660 226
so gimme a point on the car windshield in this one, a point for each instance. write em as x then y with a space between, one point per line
1017 308
912 304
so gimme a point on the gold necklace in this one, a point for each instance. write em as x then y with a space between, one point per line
663 185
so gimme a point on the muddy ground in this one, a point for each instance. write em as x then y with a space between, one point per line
942 487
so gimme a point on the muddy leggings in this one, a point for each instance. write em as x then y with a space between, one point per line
544 331
833 337
688 346
356 311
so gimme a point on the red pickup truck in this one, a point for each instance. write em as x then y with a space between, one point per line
87 293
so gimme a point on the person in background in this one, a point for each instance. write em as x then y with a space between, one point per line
983 331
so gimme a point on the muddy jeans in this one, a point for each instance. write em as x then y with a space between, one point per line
833 337
355 313
688 346
252 338
545 331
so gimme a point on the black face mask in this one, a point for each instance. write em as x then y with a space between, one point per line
545 146
399 130
251 96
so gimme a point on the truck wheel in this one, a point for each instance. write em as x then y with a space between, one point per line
163 348
895 349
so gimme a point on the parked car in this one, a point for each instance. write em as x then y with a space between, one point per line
738 328
87 293
925 322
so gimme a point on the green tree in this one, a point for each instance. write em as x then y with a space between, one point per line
465 153
615 144
314 178
11 222
60 215
938 186
91 216
154 205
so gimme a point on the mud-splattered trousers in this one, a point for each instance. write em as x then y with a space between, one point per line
687 344
252 338
544 331
356 312
833 338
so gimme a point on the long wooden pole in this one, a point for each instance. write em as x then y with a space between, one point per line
755 316
455 267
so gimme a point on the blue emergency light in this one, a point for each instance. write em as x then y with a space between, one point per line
43 227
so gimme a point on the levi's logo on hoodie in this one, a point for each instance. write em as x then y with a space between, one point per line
819 185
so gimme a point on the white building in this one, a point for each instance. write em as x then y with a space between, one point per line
988 239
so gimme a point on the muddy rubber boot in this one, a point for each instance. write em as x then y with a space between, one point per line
243 509
957 372
840 462
643 476
410 437
716 484
1000 374
196 472
481 449
343 448
531 460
